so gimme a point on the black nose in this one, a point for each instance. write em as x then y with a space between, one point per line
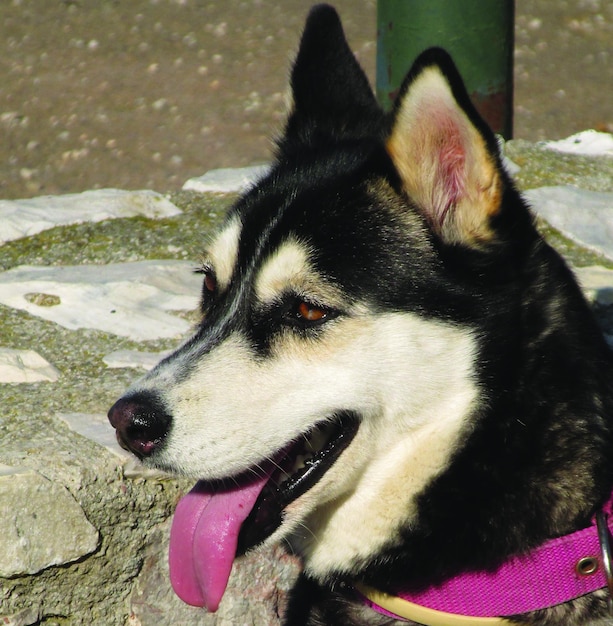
141 423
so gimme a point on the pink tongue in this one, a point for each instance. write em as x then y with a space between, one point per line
203 541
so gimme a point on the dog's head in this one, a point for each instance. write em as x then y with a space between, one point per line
335 368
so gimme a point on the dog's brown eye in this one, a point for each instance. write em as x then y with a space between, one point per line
209 287
311 313
210 282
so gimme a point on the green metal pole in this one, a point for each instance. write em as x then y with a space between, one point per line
477 33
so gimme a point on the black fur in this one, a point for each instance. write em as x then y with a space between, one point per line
539 460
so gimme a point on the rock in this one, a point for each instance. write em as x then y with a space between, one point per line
27 617
590 142
126 299
582 215
21 218
41 524
25 366
227 180
597 283
134 358
96 428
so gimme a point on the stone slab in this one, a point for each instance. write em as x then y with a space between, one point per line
227 180
41 524
23 218
25 366
128 299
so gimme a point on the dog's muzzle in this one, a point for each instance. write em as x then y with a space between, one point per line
141 423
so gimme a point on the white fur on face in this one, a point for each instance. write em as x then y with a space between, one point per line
409 379
418 379
222 252
289 269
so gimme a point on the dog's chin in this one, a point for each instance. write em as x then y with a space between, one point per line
298 468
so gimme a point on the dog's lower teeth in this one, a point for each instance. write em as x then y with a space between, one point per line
299 463
313 444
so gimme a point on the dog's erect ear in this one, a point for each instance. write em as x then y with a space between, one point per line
445 154
331 95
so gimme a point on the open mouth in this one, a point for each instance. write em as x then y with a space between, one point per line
213 524
301 466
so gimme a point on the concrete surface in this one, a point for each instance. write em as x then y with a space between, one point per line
146 93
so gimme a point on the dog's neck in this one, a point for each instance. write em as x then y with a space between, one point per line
558 571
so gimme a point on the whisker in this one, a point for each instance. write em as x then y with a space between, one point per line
304 527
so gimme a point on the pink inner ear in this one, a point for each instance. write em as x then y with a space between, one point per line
450 178
444 162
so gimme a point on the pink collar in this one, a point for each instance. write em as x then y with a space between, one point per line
559 570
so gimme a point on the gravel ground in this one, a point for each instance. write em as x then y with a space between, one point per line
146 93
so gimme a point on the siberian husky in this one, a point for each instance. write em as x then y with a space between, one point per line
394 374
